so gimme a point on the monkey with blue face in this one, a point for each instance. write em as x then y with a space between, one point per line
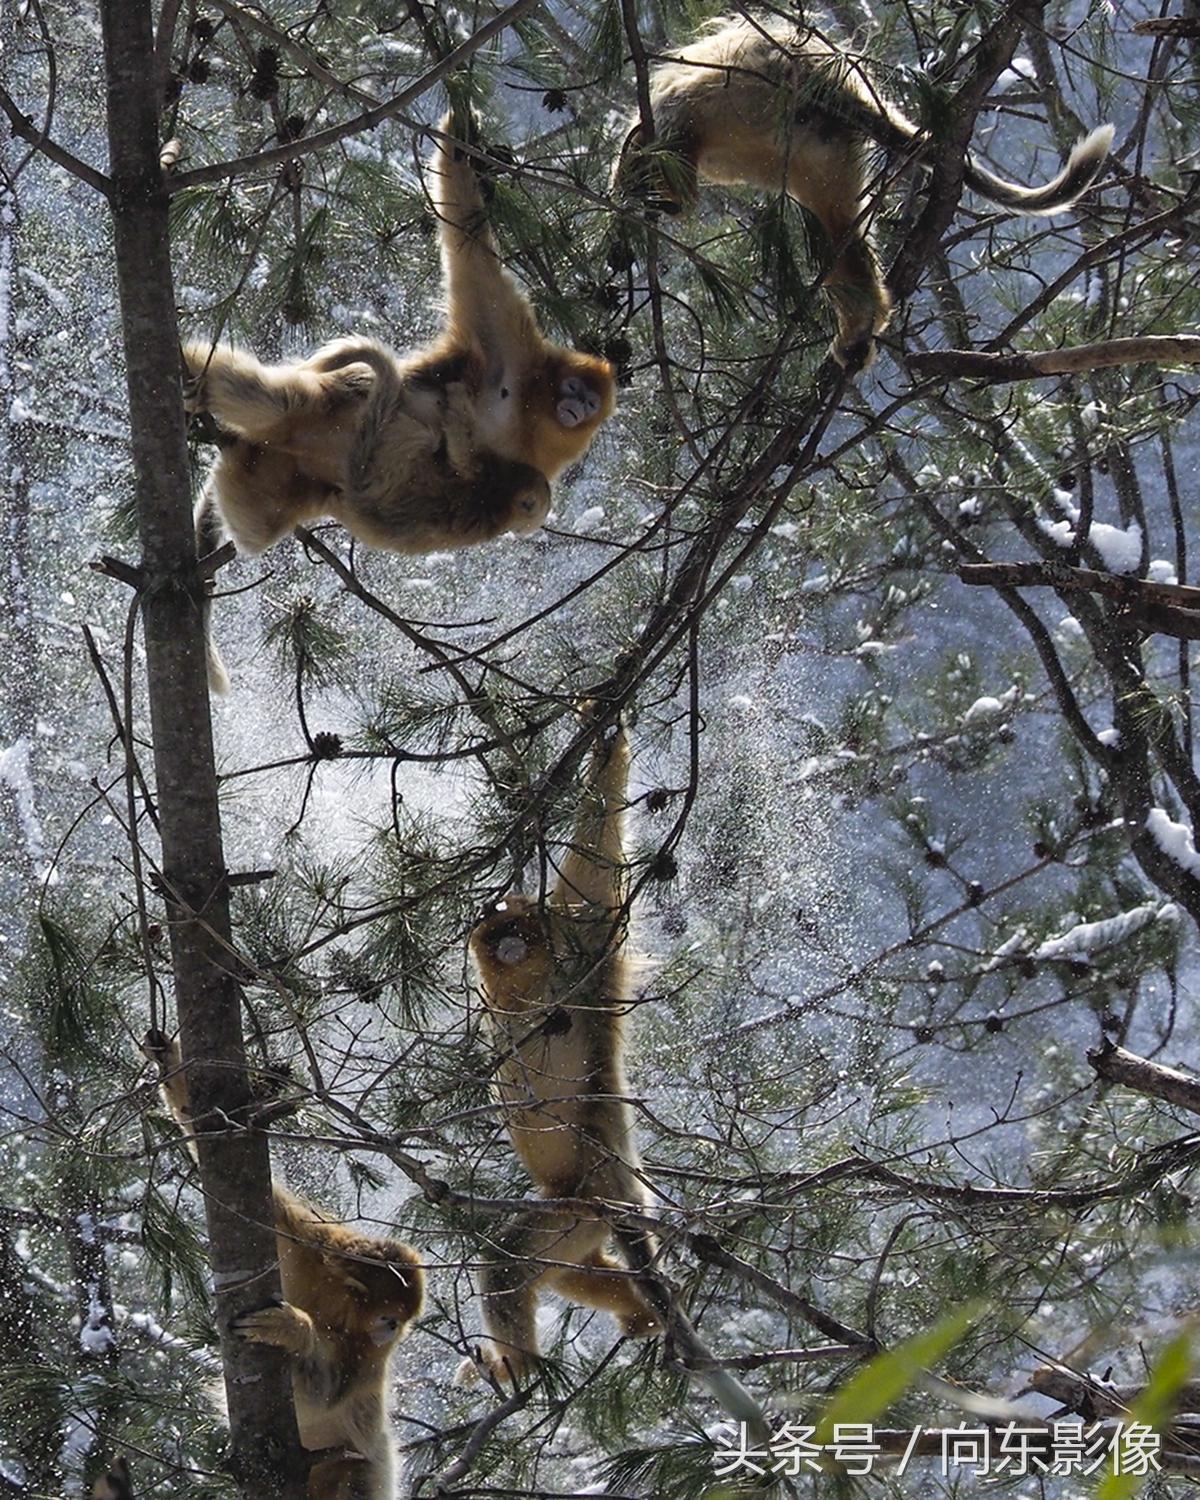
449 446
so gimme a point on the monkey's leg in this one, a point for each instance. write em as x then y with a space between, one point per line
269 403
614 1293
350 1476
262 492
529 1249
281 1325
828 177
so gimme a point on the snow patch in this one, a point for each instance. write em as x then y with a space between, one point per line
1094 937
1174 839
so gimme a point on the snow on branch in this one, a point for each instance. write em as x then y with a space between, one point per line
1164 608
1174 839
1166 349
1094 937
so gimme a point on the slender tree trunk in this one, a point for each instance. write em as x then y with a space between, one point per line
234 1165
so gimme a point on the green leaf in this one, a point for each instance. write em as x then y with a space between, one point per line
1155 1407
881 1383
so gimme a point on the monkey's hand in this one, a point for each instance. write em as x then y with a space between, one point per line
278 1324
195 360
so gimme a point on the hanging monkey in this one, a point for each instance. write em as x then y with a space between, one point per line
448 446
348 1301
556 982
772 104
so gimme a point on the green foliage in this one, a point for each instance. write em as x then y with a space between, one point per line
888 1376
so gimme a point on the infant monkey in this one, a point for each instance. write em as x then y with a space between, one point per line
556 983
772 104
348 1301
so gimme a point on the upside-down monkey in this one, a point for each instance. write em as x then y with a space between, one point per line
556 982
348 1299
773 104
445 447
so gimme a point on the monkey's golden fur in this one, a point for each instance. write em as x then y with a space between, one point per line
771 104
348 1301
556 983
446 447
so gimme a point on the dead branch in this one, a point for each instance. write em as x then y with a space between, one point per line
1188 26
1093 1398
1162 608
1169 349
1144 1077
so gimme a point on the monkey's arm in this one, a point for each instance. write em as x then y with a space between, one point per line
163 1051
484 306
593 869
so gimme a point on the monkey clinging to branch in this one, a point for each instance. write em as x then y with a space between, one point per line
348 1301
555 979
449 446
772 104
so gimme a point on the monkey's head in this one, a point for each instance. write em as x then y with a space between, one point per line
386 1286
566 399
509 944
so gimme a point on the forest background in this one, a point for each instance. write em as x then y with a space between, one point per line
912 856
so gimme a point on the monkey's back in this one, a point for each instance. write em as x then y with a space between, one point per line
564 1087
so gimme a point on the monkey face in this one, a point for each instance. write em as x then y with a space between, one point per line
510 947
566 399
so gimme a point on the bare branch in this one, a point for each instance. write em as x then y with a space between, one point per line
1168 349
1145 1077
24 128
1165 608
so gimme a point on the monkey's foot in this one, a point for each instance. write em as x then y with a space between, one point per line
504 1367
278 1323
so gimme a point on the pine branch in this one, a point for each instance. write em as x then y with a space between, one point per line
1146 1077
243 165
1167 349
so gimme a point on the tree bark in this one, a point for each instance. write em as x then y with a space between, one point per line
1146 1077
234 1163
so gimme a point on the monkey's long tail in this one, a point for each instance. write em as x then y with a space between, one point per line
893 130
726 1390
1082 168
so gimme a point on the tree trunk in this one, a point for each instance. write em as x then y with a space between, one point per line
234 1165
